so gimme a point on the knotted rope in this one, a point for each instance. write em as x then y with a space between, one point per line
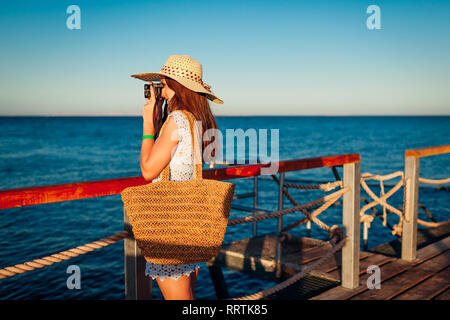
312 216
403 216
61 256
325 186
288 210
308 216
382 199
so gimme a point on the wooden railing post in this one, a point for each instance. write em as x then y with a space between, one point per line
138 286
255 203
351 226
218 280
410 204
278 252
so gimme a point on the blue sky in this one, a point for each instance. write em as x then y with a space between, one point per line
260 57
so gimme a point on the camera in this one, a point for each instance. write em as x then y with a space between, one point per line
157 86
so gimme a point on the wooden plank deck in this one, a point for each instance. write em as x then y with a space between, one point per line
428 277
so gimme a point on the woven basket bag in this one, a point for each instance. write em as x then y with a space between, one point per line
180 222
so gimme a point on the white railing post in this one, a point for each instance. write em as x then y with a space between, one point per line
410 204
138 286
351 226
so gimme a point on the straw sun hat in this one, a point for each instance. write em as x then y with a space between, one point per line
185 70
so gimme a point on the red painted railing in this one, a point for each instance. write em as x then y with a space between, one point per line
90 189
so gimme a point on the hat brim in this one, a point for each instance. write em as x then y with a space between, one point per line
194 86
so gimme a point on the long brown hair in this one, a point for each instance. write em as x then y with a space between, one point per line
194 102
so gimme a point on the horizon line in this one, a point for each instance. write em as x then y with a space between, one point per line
225 115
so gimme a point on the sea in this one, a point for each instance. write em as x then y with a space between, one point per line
42 151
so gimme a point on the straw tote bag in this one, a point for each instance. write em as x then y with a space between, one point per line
180 222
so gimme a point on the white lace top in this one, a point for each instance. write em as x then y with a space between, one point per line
181 168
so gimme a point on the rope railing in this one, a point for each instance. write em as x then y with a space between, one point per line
433 224
61 256
312 217
383 197
434 181
279 213
382 201
290 281
325 186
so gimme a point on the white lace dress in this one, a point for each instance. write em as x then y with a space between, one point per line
181 168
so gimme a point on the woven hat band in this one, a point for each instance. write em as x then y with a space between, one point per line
198 170
182 73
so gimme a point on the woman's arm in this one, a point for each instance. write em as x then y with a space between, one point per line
155 155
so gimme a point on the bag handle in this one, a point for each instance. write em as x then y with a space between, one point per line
198 171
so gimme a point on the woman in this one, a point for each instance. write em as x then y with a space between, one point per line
183 90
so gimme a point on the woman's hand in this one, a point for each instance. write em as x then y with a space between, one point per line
147 110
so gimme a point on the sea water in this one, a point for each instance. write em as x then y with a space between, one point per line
40 151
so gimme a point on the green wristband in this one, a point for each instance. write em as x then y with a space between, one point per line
149 136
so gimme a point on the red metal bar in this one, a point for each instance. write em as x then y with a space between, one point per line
91 189
425 152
